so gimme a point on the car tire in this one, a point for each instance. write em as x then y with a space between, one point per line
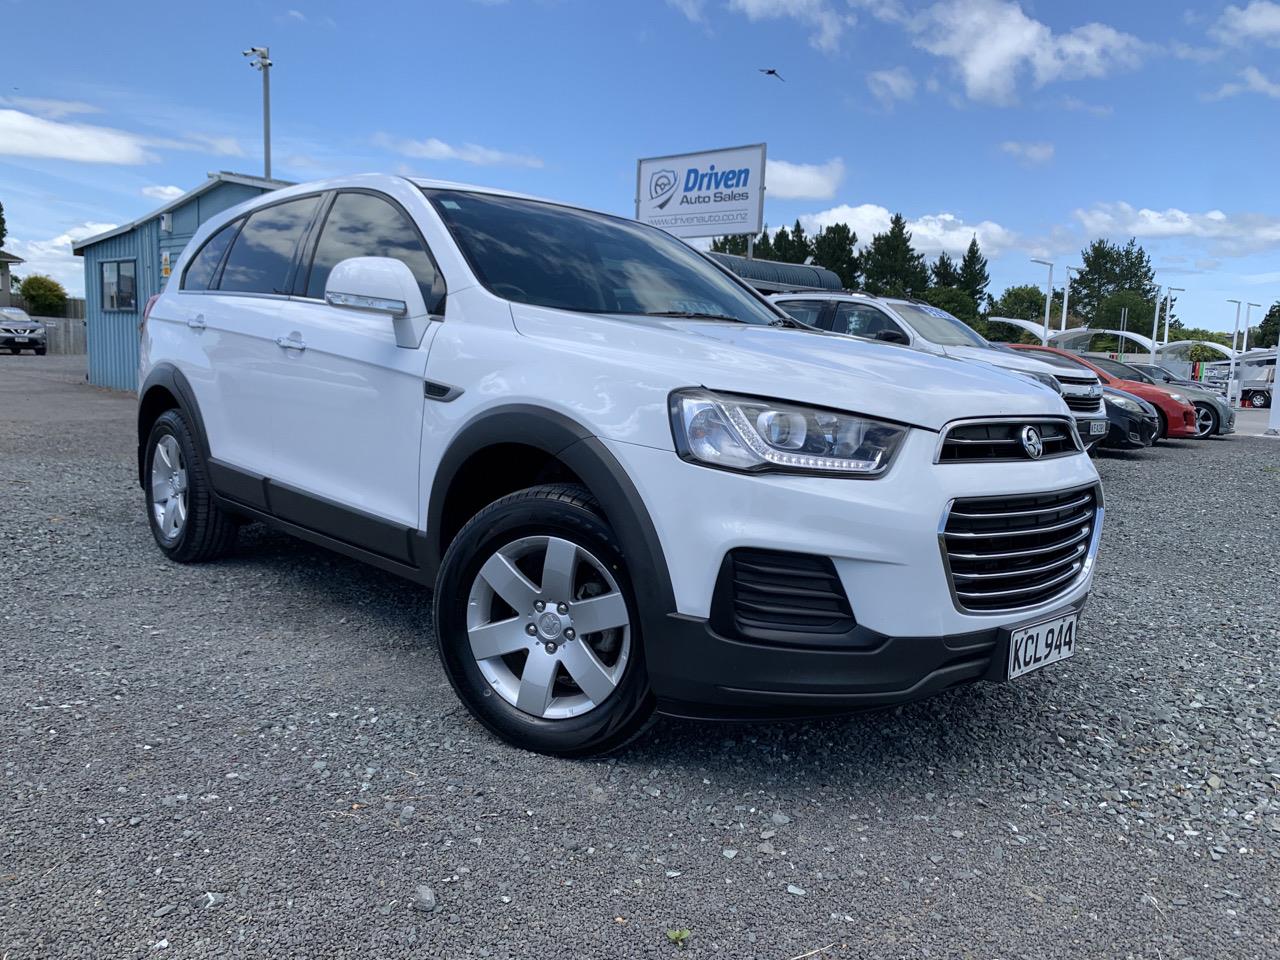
189 527
1260 400
41 351
1206 421
513 583
1162 430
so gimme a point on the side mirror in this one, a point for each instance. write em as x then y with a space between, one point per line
381 285
890 335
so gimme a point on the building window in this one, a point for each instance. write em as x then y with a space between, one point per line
120 285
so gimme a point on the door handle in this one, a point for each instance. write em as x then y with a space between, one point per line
196 322
290 343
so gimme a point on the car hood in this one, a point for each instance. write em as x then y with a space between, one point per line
800 365
13 323
1009 359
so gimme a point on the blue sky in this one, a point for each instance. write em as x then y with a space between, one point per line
1037 125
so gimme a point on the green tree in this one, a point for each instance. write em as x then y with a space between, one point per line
953 300
4 231
1268 331
974 278
44 295
737 245
1022 302
792 246
891 266
1109 268
834 248
943 273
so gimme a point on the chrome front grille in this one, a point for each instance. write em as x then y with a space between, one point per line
970 441
1011 553
1078 403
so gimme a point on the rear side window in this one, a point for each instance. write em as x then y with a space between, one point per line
204 264
806 311
261 258
362 225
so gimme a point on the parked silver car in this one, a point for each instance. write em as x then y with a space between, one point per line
19 332
1214 416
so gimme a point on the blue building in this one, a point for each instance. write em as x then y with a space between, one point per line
124 267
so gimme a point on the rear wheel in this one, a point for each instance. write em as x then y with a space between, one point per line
1206 421
186 523
1260 399
1162 429
537 625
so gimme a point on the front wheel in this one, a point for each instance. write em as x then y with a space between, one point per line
1206 421
538 628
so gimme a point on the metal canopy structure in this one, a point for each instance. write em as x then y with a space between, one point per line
1181 349
1032 327
1078 338
772 276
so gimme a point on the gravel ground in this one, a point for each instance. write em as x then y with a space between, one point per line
262 757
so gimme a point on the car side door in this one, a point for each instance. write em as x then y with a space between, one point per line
228 303
350 405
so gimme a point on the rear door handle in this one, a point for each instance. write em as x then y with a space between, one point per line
196 322
290 343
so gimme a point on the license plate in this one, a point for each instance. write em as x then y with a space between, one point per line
1098 427
21 339
1041 644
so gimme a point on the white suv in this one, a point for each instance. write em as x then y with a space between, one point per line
635 485
932 330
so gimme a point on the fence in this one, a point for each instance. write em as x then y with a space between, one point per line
74 309
64 336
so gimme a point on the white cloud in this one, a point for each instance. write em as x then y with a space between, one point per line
163 193
803 181
930 234
203 142
24 135
889 86
993 44
433 149
826 19
1232 235
692 9
53 257
1251 80
47 107
1260 21
1030 151
1076 105
296 15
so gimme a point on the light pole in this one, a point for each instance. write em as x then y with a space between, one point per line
1231 369
1155 326
1048 299
1168 307
1248 310
262 62
1066 294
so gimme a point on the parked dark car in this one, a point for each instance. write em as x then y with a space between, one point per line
1134 422
19 332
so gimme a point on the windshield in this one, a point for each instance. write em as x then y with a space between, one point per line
1121 370
937 326
530 251
1058 360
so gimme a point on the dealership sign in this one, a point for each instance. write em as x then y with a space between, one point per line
709 194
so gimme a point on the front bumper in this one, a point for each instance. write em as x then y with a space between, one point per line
1084 426
696 672
1129 431
22 341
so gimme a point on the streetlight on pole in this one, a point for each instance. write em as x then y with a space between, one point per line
262 62
1155 326
1248 309
1168 307
1231 370
1066 295
1048 299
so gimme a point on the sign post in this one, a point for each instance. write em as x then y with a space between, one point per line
708 194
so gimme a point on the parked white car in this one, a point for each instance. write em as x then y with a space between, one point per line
928 328
635 485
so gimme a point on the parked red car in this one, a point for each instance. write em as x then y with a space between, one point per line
1177 414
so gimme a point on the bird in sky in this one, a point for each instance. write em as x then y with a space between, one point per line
770 72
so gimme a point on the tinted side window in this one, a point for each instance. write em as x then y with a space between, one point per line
806 311
362 225
861 320
262 255
204 264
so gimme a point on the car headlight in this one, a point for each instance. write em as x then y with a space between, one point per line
1124 403
1179 397
754 435
1047 379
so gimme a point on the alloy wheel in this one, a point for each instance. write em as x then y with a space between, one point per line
548 627
168 487
1204 421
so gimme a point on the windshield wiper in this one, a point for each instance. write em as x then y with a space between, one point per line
693 315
